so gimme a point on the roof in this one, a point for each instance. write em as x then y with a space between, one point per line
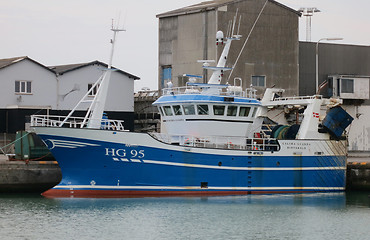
211 5
10 61
61 69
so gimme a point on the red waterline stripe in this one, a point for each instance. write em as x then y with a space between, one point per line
62 193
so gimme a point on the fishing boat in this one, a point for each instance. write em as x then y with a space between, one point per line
215 139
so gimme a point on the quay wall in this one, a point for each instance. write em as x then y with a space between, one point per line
28 177
358 176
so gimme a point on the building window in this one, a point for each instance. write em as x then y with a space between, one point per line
93 91
23 87
166 75
347 85
259 81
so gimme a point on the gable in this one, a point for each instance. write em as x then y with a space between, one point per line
62 69
4 63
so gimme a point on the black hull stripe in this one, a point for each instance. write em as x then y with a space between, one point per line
211 120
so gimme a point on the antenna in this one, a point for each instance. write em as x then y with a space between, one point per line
124 19
119 18
240 19
228 29
232 32
115 31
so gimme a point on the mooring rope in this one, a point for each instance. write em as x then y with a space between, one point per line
16 140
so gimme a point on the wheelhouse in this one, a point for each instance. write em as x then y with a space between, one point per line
207 113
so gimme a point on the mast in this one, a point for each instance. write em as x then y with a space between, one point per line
96 108
218 71
95 111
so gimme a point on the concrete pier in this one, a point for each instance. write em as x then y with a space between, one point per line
358 176
28 176
358 171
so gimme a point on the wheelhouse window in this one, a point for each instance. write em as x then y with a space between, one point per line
254 112
94 91
347 85
177 109
189 109
167 110
218 110
232 110
160 110
244 111
259 81
23 87
202 109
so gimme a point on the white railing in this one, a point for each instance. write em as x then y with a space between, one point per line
298 98
228 91
73 122
220 142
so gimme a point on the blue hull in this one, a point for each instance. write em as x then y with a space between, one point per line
107 168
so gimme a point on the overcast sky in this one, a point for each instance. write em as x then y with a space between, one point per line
55 32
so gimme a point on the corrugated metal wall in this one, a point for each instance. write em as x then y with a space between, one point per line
272 50
333 59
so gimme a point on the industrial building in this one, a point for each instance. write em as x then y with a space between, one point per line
272 56
333 59
344 72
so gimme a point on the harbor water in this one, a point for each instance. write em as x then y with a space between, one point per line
290 216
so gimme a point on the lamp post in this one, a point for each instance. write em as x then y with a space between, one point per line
308 13
317 58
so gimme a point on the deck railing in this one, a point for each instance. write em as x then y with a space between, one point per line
73 122
298 98
220 142
225 91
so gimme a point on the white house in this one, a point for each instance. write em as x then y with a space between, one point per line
29 87
74 80
26 83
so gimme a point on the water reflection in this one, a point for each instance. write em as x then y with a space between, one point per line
325 200
286 216
359 199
